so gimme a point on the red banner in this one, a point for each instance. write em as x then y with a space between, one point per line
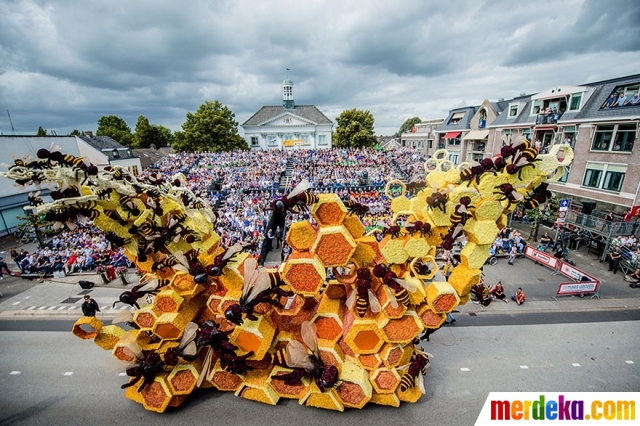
541 257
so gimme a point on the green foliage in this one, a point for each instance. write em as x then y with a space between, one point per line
355 129
166 133
116 128
76 132
407 126
41 131
211 128
147 134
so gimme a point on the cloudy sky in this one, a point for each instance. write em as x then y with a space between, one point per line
64 63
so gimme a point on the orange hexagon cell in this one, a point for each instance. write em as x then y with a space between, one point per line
403 330
304 273
225 381
429 318
385 380
391 355
352 395
329 210
167 301
86 327
328 328
145 318
182 379
369 362
367 340
156 396
334 246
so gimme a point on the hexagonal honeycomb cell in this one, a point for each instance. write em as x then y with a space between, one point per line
156 396
328 399
442 297
254 336
333 245
329 210
304 273
182 379
369 361
474 255
362 335
86 327
481 232
145 317
167 301
488 209
353 224
109 336
224 380
390 354
335 290
284 390
417 247
301 235
429 318
385 380
402 330
373 244
393 249
386 296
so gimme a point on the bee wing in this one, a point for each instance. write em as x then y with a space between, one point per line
190 331
420 380
517 196
392 298
206 366
462 208
410 286
182 259
351 299
114 365
133 350
300 188
233 250
123 316
259 282
374 303
250 266
297 356
404 367
150 286
519 141
457 230
191 349
310 337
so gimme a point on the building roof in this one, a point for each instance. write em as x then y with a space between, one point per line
464 122
149 156
602 91
523 116
309 112
107 145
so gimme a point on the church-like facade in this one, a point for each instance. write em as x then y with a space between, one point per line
289 126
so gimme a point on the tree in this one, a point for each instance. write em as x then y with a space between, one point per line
76 132
355 129
167 134
116 128
147 135
41 131
211 128
407 126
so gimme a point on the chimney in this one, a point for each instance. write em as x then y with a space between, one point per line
88 133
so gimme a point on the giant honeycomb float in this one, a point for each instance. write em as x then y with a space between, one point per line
218 321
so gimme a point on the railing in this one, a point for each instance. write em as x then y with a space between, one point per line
550 118
612 228
478 146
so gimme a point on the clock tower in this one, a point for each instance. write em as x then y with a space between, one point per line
287 94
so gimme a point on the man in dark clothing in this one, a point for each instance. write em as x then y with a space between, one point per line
278 237
90 307
614 259
4 266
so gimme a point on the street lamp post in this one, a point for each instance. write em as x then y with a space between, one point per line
28 211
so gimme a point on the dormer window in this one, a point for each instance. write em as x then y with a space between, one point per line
576 98
537 104
513 111
456 117
115 153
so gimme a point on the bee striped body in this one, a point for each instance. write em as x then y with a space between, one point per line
362 304
279 358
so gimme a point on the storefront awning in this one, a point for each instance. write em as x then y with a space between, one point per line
476 135
451 135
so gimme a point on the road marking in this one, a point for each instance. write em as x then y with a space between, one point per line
465 369
122 374
42 307
16 303
15 373
27 297
629 362
524 367
51 308
30 308
575 364
61 308
68 373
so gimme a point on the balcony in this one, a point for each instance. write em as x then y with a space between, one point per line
440 146
478 147
548 118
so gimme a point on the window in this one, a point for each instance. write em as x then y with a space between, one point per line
565 175
456 117
526 133
430 143
513 111
454 158
628 93
537 104
453 141
322 139
575 101
622 135
482 119
254 141
613 176
272 141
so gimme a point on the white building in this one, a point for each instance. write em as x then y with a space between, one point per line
289 126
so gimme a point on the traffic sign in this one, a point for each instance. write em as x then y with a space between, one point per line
564 204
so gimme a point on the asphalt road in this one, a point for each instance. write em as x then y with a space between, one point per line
56 379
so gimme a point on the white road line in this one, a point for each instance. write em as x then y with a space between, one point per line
30 308
61 308
15 373
42 307
122 374
51 308
16 303
629 362
524 367
575 364
68 373
465 369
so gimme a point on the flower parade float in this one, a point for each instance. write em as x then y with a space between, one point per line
332 340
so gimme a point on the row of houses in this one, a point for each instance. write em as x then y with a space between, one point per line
601 132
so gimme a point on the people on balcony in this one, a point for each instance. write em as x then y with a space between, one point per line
621 101
610 101
635 99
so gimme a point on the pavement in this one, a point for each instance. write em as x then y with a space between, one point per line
61 298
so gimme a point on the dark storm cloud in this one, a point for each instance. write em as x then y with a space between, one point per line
601 26
64 64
